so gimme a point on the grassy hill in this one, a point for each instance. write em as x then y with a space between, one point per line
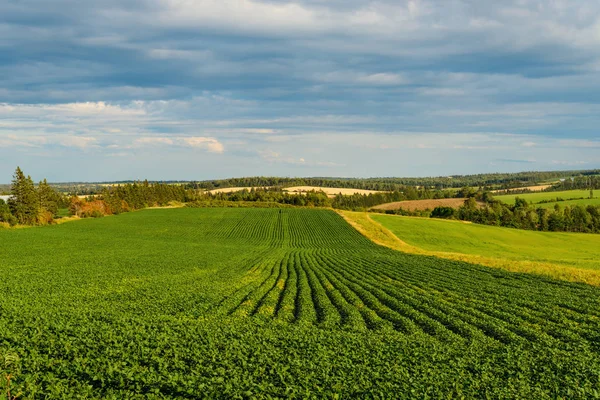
269 303
569 249
546 196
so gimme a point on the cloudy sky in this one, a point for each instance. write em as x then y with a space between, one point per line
199 89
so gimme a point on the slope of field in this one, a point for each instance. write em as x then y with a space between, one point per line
294 303
381 235
569 249
421 205
545 196
331 192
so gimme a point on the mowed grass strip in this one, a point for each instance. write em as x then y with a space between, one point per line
568 256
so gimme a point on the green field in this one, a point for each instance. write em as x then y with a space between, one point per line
546 196
572 203
264 303
570 249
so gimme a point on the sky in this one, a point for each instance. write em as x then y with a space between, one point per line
205 89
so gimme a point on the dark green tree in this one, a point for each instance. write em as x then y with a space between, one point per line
24 202
48 197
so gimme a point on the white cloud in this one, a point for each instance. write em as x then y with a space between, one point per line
207 143
80 142
153 141
356 77
25 141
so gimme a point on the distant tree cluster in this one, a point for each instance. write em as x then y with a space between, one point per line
584 182
131 196
271 195
523 215
483 181
28 204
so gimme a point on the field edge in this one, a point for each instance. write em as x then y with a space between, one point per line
379 234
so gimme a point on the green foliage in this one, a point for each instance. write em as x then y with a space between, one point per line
29 205
138 195
5 214
49 198
308 199
497 180
278 303
443 212
24 202
523 215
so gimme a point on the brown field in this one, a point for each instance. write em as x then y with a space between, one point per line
232 189
537 188
331 192
421 205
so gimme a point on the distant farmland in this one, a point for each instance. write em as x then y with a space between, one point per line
331 192
545 196
571 203
537 188
421 205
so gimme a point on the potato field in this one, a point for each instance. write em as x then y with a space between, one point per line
277 303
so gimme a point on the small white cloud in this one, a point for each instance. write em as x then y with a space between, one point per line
528 144
207 143
383 79
153 141
80 142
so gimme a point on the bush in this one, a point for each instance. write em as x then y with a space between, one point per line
443 212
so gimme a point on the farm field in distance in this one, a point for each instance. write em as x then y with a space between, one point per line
571 203
421 205
331 192
546 196
290 303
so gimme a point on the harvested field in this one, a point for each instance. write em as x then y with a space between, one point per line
233 189
331 192
537 188
421 205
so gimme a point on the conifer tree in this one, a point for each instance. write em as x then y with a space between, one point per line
24 203
48 198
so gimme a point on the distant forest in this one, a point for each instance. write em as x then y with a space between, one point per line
575 179
495 181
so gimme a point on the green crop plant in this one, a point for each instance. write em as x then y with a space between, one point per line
278 303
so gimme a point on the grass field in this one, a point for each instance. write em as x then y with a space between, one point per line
569 249
546 196
571 203
292 303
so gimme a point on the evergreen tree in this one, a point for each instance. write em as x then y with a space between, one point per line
24 203
48 198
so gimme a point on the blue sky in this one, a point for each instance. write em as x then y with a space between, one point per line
182 89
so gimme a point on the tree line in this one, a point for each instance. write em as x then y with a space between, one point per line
30 204
483 181
522 215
